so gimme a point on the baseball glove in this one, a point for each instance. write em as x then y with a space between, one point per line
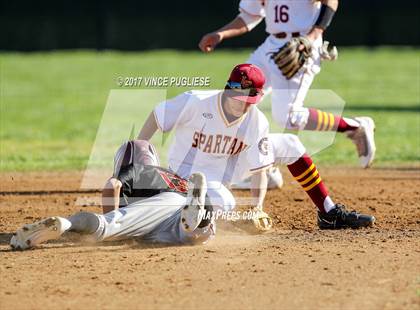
254 221
292 56
261 220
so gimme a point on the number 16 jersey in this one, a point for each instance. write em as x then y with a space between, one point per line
284 15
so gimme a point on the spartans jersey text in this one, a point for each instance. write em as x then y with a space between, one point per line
218 144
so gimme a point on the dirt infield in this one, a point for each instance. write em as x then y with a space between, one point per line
296 266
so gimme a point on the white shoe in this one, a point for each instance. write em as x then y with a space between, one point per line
192 214
274 180
30 235
364 139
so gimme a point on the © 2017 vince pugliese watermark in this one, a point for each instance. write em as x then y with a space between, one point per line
163 81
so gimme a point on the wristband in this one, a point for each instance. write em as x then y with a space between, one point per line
325 17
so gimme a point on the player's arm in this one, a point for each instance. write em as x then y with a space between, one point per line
166 116
235 28
111 195
149 128
328 9
259 188
251 13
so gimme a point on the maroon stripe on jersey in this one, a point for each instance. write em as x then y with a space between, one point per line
262 167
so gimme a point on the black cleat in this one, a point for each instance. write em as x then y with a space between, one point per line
339 218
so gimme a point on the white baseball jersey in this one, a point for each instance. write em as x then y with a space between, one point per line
205 141
284 15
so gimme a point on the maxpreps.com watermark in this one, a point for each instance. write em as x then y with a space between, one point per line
231 215
163 81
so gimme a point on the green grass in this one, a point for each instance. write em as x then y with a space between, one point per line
52 103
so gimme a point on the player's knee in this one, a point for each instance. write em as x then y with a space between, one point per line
224 203
287 148
220 197
295 147
84 222
294 143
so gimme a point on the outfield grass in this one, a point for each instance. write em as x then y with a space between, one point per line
52 103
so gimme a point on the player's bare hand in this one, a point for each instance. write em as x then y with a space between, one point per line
311 39
210 41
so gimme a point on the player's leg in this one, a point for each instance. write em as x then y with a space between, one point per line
304 171
274 180
162 218
361 130
51 228
260 59
288 95
288 111
220 197
134 220
139 218
167 217
158 218
30 235
286 149
193 223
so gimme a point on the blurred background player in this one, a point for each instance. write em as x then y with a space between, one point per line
141 201
287 19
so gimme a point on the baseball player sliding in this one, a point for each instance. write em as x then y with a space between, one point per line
141 200
290 58
223 135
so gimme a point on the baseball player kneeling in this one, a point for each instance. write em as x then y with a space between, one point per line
223 135
219 133
141 200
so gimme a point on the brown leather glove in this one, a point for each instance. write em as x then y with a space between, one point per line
292 56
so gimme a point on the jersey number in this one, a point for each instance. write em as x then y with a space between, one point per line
281 14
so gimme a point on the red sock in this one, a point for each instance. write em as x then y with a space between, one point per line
324 121
304 171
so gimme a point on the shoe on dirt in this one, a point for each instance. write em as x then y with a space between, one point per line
339 217
30 235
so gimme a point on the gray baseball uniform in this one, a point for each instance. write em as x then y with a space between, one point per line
154 219
151 199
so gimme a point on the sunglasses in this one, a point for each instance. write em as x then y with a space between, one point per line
236 87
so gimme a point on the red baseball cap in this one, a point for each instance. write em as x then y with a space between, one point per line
246 82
